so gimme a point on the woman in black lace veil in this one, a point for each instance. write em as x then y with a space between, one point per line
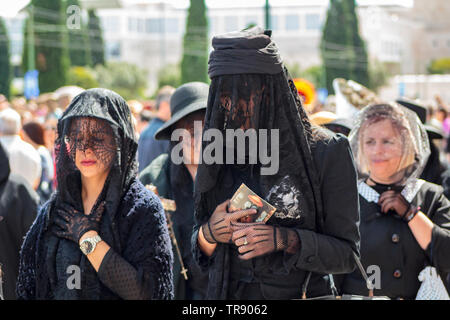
313 188
102 235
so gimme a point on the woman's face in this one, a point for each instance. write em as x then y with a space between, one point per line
50 132
92 143
382 150
243 112
192 137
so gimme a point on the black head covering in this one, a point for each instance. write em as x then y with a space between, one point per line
115 118
108 115
248 51
250 88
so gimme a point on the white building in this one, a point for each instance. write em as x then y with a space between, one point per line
150 33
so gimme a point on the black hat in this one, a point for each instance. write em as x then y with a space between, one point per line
421 111
188 98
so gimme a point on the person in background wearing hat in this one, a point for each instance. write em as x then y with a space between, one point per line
148 147
176 181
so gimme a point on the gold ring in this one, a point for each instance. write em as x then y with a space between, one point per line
245 241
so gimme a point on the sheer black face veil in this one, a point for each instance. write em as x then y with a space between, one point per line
251 89
99 120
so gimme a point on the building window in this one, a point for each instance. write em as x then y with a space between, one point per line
213 25
153 25
435 43
140 25
111 24
113 49
274 22
292 22
132 24
172 25
231 24
313 22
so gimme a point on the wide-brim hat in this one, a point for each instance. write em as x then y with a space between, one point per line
188 98
432 131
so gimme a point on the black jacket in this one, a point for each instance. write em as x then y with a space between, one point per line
280 275
140 216
388 243
18 209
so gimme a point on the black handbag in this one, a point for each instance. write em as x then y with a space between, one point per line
336 296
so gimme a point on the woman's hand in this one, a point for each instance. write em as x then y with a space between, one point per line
393 200
257 239
218 227
72 224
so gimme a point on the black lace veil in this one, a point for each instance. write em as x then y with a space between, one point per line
98 120
259 95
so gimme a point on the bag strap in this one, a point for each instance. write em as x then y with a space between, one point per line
364 274
333 287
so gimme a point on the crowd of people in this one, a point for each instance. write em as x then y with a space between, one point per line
86 179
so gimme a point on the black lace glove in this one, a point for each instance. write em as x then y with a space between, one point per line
71 224
260 239
393 201
218 227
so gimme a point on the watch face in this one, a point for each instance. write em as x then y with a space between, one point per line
87 247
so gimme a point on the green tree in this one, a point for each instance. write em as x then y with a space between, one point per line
315 75
439 66
83 77
294 69
79 47
342 49
126 79
5 65
169 75
378 75
195 44
359 64
97 44
50 43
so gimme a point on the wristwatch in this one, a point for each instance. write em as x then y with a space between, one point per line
88 245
